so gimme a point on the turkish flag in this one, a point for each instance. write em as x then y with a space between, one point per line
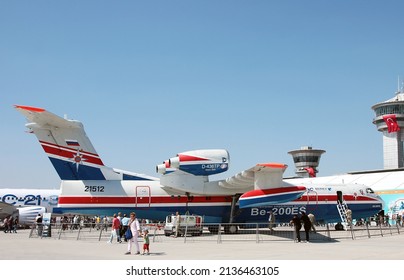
391 121
311 172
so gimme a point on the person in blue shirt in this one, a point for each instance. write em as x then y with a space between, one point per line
124 223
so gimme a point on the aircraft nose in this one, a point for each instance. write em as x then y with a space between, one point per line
381 201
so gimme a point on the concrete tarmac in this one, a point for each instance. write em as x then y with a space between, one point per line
18 246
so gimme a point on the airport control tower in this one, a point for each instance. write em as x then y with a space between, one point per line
389 120
306 161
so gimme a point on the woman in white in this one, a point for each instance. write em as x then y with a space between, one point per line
135 229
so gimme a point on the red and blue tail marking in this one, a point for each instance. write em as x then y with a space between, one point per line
74 164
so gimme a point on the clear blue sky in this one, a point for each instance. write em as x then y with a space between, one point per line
150 79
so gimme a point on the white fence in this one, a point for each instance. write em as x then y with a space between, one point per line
220 233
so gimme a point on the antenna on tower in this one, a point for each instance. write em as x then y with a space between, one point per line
400 86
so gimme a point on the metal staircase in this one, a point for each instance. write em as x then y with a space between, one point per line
342 207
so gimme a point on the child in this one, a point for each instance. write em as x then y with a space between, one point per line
146 242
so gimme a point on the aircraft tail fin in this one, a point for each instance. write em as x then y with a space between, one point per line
69 149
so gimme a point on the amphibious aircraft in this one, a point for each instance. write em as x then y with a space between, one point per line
90 187
27 203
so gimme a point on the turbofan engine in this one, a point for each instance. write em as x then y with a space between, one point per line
197 162
27 215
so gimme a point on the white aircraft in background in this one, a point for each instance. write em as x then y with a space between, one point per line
27 203
91 188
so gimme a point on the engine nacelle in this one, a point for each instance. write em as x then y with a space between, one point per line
27 215
198 162
163 168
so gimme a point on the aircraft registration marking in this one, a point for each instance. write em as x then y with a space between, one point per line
94 188
282 210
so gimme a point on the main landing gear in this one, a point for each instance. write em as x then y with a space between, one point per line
229 228
232 228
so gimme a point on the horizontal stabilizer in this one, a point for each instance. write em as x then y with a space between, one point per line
43 118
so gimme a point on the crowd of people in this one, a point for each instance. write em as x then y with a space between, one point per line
10 224
120 225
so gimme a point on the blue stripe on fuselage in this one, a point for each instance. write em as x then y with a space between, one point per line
212 214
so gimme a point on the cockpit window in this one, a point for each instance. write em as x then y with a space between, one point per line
369 190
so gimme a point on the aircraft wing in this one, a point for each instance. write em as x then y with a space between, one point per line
260 185
7 210
261 176
266 183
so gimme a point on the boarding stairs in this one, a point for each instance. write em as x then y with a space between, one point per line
342 208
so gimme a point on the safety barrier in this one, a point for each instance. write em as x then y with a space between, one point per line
261 233
72 231
220 233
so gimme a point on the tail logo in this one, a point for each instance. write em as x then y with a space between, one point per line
78 159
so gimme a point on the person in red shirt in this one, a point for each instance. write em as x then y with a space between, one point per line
116 224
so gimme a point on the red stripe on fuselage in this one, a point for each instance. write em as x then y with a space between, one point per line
333 198
133 200
195 199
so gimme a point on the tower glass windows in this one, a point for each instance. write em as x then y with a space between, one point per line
305 158
390 109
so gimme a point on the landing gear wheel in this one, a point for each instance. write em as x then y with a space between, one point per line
339 226
230 229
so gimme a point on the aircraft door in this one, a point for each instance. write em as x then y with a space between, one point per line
143 196
340 197
312 196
